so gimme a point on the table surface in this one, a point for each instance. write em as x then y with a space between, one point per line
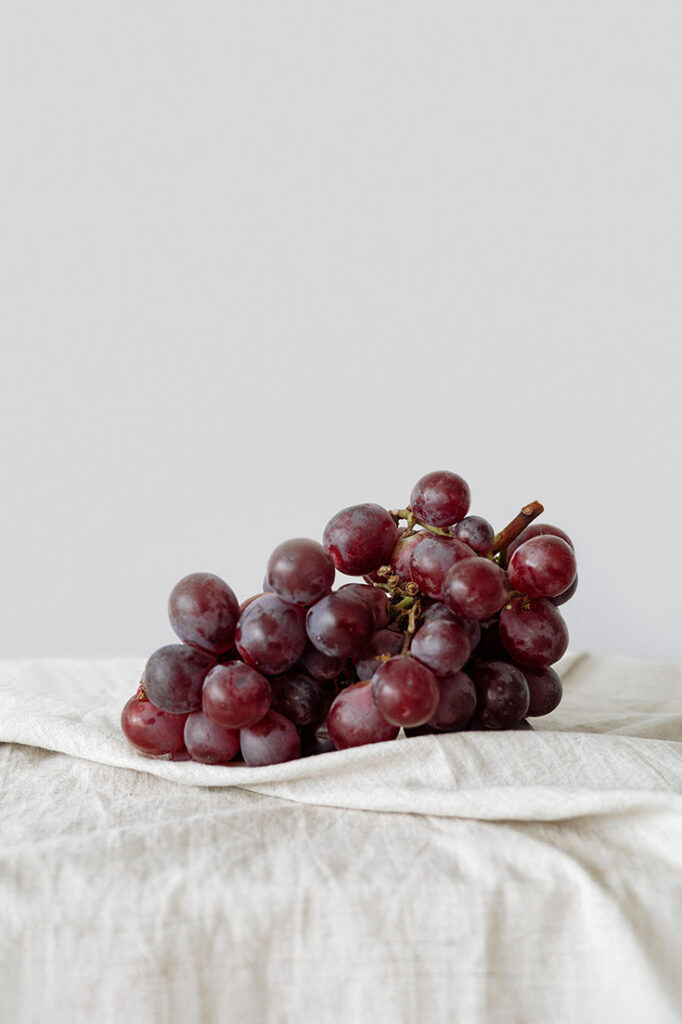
515 876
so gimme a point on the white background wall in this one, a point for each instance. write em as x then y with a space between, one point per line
262 260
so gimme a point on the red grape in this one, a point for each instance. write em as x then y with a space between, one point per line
208 742
533 632
438 611
402 554
340 624
203 611
545 690
440 498
432 559
405 691
537 530
354 720
384 641
271 634
360 538
476 532
456 703
475 588
300 571
442 646
375 598
150 729
174 676
542 567
320 665
502 694
567 594
235 695
272 740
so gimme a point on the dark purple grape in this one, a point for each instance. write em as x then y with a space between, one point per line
537 530
438 611
476 532
542 567
271 634
432 559
270 741
456 704
340 624
174 676
150 729
208 742
203 611
502 694
566 595
375 597
442 646
354 720
402 554
475 588
440 498
298 697
320 665
360 538
385 641
533 632
235 695
300 571
545 690
405 691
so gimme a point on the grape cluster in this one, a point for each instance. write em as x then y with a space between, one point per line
453 628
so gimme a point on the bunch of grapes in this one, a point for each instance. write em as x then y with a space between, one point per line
453 628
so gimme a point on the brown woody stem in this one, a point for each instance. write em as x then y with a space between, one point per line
527 514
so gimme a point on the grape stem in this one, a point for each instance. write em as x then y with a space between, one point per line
409 517
527 514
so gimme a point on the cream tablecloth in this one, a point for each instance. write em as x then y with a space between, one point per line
511 877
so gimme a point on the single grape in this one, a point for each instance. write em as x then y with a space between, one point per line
320 665
545 690
298 697
235 695
203 611
340 624
456 703
432 559
442 646
476 532
270 741
402 554
440 498
360 538
354 720
375 598
502 694
542 567
471 627
567 594
271 634
537 530
208 742
174 676
150 729
475 588
384 641
533 632
405 691
300 571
